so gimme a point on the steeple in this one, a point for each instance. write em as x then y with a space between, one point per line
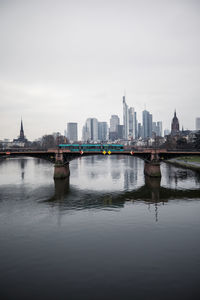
21 136
175 125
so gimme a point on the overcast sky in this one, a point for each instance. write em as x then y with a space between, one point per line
65 61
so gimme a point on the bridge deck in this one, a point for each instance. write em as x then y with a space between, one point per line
54 151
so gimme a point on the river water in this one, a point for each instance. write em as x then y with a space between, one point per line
106 233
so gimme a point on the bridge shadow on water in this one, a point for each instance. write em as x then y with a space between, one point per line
151 192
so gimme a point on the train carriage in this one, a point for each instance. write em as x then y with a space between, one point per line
92 147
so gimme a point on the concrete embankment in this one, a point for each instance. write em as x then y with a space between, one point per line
186 162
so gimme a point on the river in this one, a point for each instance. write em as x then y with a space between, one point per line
106 233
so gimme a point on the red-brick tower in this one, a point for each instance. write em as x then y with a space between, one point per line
175 125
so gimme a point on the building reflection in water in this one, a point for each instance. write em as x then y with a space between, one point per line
115 174
131 173
22 163
151 192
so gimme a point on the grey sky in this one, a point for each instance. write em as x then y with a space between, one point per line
64 61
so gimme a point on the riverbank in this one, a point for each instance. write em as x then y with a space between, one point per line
189 162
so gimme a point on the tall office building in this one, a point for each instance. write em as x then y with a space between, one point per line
197 127
102 131
136 125
147 124
140 131
90 130
114 122
125 119
72 132
132 123
85 133
154 128
120 131
157 128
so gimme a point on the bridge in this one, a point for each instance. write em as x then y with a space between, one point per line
61 158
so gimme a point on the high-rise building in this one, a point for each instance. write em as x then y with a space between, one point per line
150 125
125 119
136 125
85 133
102 131
147 124
90 130
120 131
157 128
154 127
140 131
131 122
175 125
72 132
197 127
114 122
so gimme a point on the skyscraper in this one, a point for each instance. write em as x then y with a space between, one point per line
136 125
120 131
159 126
102 131
90 130
140 131
114 122
72 132
125 119
131 122
147 123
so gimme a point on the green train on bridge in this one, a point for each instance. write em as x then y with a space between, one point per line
92 147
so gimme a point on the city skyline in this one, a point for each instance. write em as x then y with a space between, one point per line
66 61
144 129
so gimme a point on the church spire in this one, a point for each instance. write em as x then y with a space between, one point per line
175 113
175 125
21 136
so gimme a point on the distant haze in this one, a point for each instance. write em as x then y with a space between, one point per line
64 61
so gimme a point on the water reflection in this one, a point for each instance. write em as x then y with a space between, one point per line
65 237
174 176
150 192
61 188
22 163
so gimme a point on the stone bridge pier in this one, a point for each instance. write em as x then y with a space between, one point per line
61 168
152 167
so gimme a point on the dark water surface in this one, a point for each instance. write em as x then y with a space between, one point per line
106 233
